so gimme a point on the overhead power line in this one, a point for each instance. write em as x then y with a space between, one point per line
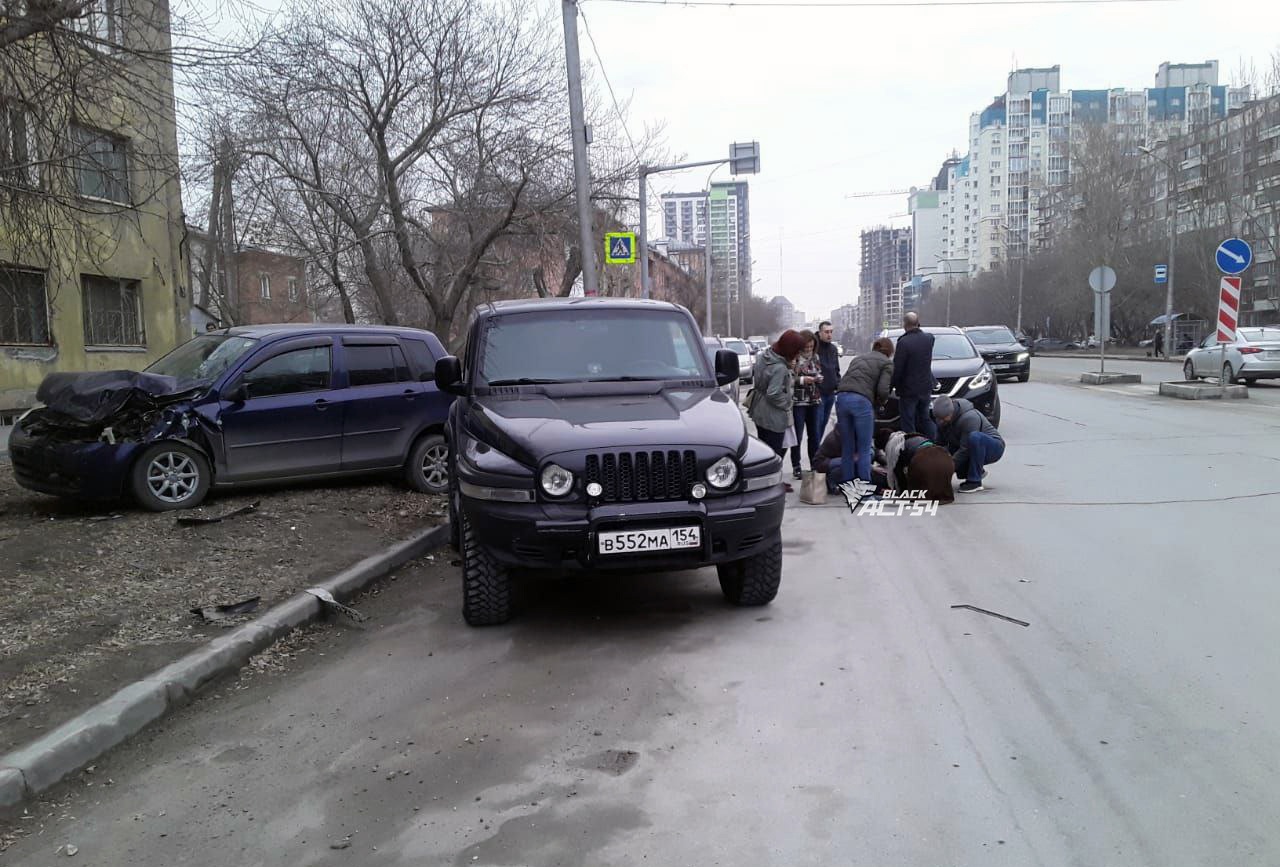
872 4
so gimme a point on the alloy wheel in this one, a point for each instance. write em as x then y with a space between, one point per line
172 477
435 466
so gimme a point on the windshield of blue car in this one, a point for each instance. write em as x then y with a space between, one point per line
618 345
990 336
203 359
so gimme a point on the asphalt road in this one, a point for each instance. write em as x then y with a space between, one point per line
858 720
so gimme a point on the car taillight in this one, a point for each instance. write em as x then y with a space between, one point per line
1249 350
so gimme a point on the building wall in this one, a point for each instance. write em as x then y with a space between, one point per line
143 241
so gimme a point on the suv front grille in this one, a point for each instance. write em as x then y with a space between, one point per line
629 477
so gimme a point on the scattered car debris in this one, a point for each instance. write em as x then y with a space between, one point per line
99 518
201 520
333 604
68 849
213 613
992 614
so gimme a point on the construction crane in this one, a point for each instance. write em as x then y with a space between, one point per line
877 194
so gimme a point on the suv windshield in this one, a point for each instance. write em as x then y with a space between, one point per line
617 345
988 336
950 346
202 359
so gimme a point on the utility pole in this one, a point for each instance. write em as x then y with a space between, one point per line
644 232
578 130
1022 267
1173 243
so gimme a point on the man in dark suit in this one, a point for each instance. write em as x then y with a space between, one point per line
913 378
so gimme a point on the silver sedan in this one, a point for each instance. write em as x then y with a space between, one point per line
1254 355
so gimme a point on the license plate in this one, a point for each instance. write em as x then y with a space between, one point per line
1001 366
642 541
1273 353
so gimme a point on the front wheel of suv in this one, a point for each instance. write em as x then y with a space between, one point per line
486 584
753 581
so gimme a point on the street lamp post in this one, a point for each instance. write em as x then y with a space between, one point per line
1171 212
578 131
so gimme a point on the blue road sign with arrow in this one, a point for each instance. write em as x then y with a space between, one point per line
1234 255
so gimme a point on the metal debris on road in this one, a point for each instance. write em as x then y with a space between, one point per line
212 613
333 604
201 520
68 849
993 614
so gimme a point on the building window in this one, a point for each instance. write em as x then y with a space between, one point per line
24 307
102 21
112 312
293 288
264 286
102 167
17 145
995 209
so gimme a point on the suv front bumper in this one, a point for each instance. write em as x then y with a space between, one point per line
552 535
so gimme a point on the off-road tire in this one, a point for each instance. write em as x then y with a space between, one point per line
142 488
753 581
415 474
455 527
486 584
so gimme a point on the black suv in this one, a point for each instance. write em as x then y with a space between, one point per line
592 433
959 371
1006 355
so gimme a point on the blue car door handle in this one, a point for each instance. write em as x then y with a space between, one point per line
409 394
322 404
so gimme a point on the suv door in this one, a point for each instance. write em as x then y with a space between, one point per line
383 402
290 421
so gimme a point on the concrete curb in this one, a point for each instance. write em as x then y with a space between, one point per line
34 768
1203 391
1095 378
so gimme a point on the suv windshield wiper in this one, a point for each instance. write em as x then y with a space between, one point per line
524 380
630 379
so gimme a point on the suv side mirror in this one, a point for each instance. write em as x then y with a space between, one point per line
238 393
449 375
726 366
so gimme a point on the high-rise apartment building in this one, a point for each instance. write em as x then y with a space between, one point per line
1020 148
730 240
886 264
684 217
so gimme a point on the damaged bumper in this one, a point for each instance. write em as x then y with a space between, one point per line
93 470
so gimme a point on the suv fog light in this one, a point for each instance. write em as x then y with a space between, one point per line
595 489
699 491
556 481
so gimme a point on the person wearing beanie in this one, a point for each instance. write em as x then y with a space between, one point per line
972 441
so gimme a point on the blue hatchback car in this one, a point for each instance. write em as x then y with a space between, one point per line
239 406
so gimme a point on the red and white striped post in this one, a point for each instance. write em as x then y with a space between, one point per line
1228 315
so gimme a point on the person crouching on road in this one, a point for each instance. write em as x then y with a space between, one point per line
772 394
807 402
972 440
827 460
864 386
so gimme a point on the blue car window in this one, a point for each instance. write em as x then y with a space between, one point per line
421 361
375 365
290 372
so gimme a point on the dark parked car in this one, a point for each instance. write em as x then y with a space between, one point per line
592 433
243 405
1005 354
959 370
1053 344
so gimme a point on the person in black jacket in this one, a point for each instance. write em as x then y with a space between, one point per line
913 378
829 358
973 441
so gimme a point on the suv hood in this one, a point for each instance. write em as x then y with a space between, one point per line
532 426
1000 348
949 368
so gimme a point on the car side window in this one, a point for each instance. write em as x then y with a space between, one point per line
421 361
290 372
1208 341
375 365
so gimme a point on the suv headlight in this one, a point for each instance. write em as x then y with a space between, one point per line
982 380
556 480
723 473
1023 356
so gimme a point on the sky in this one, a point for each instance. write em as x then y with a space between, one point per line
851 100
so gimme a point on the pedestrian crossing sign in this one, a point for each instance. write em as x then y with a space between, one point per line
620 248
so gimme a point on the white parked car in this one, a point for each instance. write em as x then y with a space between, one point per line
1254 355
746 358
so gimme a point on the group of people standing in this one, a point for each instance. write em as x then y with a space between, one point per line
796 385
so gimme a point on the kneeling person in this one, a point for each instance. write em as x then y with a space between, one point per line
972 440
